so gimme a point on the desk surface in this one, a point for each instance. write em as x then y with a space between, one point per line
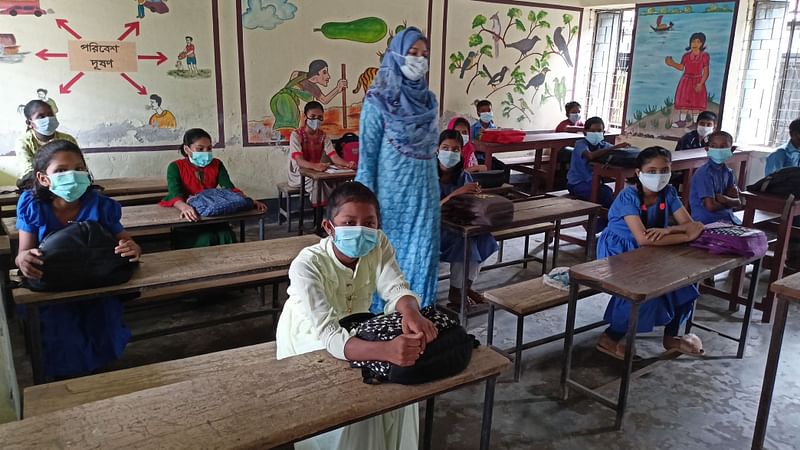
788 288
190 265
111 187
648 272
259 403
322 176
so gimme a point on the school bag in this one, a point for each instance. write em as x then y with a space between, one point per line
445 356
347 147
784 182
483 210
80 256
502 136
490 178
622 157
722 238
219 202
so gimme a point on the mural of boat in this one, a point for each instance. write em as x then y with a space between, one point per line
661 27
9 50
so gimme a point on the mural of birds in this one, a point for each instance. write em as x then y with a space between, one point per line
538 80
524 45
560 89
496 29
497 78
561 45
468 63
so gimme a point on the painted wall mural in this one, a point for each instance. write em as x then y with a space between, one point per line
520 58
679 66
134 80
314 51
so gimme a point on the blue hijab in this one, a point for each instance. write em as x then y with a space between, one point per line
409 108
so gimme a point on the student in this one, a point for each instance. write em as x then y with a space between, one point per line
640 216
714 193
336 278
454 181
573 119
78 337
306 148
42 124
787 155
485 118
461 125
706 124
196 171
588 149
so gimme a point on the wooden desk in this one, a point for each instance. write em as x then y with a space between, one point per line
112 187
242 398
787 291
639 276
171 268
528 212
684 160
339 175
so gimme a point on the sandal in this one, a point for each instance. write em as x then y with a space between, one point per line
689 344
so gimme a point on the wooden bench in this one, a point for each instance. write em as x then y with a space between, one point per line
522 300
526 232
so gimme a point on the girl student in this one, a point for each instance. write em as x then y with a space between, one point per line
196 171
471 164
336 278
41 125
640 216
455 181
79 337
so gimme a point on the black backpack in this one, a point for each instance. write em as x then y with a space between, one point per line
784 182
622 157
80 256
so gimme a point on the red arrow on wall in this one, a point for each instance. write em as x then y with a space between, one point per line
46 56
129 28
65 88
159 57
62 23
140 89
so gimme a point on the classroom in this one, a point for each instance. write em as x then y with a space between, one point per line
392 225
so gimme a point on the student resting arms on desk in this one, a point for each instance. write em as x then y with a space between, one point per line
714 193
77 337
196 171
41 123
336 278
640 216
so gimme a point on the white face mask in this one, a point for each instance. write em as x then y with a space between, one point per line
655 182
464 139
704 131
313 123
575 118
415 67
449 159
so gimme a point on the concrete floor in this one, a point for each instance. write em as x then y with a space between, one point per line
685 403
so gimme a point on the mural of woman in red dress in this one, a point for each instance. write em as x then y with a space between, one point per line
691 96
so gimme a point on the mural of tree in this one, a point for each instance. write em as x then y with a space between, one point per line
530 39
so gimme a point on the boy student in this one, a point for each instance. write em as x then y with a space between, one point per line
714 193
337 278
787 155
706 124
573 110
485 118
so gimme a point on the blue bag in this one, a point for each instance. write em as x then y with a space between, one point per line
219 202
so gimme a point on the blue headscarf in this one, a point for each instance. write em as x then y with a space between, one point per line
409 108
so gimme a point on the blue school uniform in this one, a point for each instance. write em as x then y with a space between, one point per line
617 239
691 140
77 337
452 244
708 181
784 156
477 127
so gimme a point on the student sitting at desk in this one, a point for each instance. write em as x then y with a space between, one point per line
306 147
336 278
573 110
41 125
454 181
706 124
77 337
714 192
787 155
485 118
461 125
196 171
640 216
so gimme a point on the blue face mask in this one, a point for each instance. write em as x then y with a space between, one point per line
46 126
486 117
70 185
355 241
201 159
594 137
719 155
449 159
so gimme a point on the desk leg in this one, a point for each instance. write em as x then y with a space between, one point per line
241 231
569 334
742 181
630 350
302 203
488 408
778 263
590 237
462 315
770 372
35 337
487 159
748 309
261 231
595 186
551 171
556 240
738 274
428 436
318 210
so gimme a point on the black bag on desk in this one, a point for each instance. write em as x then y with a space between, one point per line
622 157
784 182
479 210
489 179
80 256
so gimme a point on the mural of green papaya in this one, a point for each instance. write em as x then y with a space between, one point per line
367 30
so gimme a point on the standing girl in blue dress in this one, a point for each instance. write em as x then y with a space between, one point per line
455 181
640 216
78 337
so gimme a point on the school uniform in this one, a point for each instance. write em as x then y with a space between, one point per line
468 149
477 129
691 140
311 147
321 292
579 177
27 146
77 337
670 309
708 181
784 156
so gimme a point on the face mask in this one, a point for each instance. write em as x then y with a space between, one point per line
69 185
594 137
46 126
719 155
575 118
415 67
655 182
486 117
704 131
464 139
449 159
313 123
201 159
355 241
